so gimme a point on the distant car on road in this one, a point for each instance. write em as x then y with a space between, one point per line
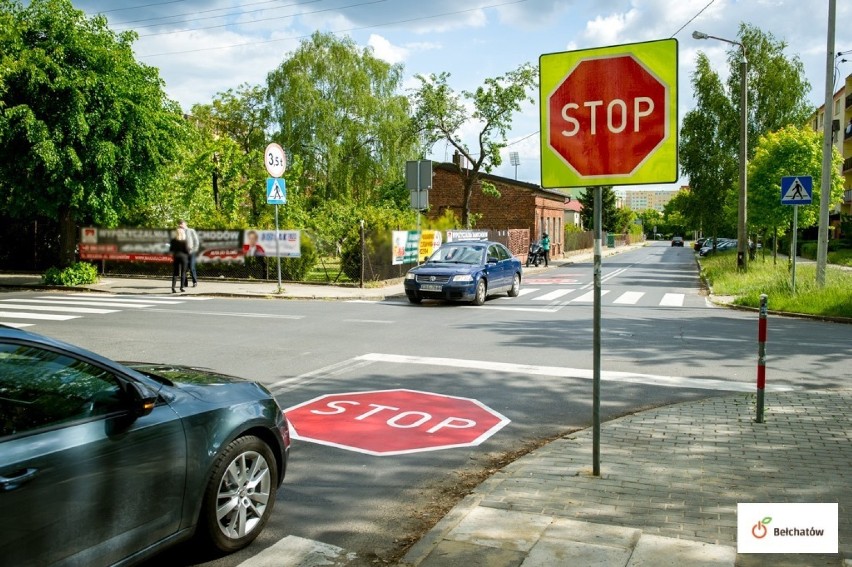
677 241
465 271
103 463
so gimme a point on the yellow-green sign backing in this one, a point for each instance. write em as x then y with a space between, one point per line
609 115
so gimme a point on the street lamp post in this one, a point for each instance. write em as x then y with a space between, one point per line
742 216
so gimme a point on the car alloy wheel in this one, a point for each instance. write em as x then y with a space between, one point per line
240 494
516 286
481 292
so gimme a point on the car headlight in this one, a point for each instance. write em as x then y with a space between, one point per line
463 278
409 276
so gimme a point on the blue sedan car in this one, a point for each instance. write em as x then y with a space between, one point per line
104 463
465 271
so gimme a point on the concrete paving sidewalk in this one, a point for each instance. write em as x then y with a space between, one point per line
670 482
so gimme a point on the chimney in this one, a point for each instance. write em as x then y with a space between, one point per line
457 159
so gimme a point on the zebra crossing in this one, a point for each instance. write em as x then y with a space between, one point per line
566 296
26 312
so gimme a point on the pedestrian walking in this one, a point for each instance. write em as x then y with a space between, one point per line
545 246
180 258
193 243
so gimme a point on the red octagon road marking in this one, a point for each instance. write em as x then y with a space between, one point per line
393 422
607 116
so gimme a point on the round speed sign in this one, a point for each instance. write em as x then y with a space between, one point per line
275 160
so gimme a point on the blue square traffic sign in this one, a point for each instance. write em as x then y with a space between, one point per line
797 190
276 191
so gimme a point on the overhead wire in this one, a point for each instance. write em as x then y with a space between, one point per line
701 11
126 24
265 19
357 28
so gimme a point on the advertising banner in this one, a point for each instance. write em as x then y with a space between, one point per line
125 244
258 243
405 244
152 244
456 235
430 240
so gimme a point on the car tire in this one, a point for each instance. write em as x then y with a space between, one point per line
244 479
528 261
481 292
414 299
516 286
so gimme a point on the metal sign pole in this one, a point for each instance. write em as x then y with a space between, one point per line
277 252
793 251
596 372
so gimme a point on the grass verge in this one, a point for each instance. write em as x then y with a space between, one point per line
833 300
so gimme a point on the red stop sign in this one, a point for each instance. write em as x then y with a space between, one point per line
607 116
393 422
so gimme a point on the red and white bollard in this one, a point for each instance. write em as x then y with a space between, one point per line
761 357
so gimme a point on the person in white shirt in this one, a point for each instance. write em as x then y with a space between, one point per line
194 244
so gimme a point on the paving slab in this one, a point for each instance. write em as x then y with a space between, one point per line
657 551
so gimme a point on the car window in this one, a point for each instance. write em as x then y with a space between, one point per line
502 252
458 254
41 388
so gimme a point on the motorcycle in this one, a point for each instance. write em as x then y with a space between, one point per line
535 255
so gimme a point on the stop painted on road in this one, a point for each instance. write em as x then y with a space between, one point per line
393 422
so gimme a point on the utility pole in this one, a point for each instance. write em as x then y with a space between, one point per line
828 118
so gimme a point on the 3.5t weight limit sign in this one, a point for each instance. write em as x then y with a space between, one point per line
609 115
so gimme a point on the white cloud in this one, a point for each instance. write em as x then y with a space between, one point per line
385 50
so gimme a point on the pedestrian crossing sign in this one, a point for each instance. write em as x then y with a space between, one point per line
276 191
797 190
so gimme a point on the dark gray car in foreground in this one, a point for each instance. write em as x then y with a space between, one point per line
104 463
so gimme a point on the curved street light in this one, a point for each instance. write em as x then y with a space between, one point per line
742 232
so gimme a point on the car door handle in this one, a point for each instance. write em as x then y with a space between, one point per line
8 483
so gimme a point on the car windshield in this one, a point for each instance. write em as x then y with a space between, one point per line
458 255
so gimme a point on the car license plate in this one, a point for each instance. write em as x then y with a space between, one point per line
431 287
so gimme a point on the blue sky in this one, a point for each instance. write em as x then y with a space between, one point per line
207 46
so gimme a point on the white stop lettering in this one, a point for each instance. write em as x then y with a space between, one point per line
642 106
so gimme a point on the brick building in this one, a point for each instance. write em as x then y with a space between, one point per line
521 205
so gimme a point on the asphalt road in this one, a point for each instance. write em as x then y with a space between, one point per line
529 358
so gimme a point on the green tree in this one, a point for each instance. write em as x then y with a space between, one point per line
337 106
609 210
650 218
441 113
85 129
789 151
709 143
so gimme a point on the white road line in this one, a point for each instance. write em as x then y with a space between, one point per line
559 372
58 308
294 551
672 300
556 294
227 314
49 301
116 298
588 297
629 297
144 296
16 325
38 316
318 374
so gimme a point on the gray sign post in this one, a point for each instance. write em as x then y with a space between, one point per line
418 180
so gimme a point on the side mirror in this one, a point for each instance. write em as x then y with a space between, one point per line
492 260
142 400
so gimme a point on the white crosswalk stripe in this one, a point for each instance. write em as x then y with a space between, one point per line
672 300
555 294
65 307
589 296
629 297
